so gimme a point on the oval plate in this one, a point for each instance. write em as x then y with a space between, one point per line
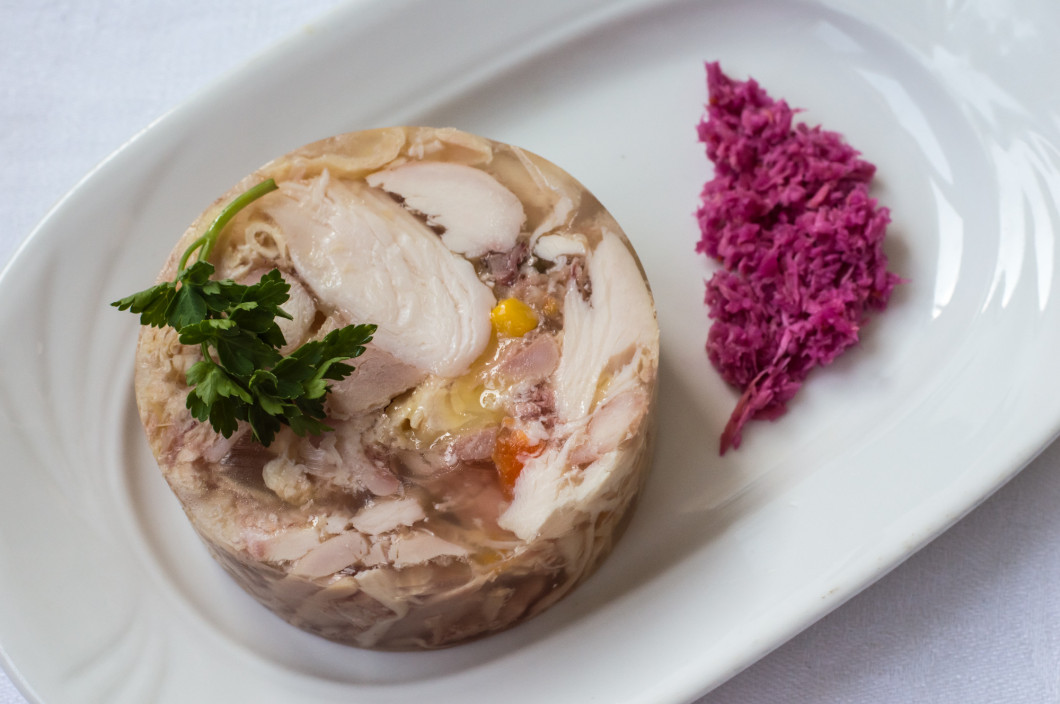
950 394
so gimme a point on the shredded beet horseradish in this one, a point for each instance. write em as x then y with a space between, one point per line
789 217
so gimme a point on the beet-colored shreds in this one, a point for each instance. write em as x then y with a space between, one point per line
789 217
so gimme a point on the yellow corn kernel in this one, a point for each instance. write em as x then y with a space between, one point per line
513 318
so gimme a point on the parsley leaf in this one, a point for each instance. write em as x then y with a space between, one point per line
243 376
151 304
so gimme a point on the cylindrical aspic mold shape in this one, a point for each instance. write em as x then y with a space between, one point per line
487 450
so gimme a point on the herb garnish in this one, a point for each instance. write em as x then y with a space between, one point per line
242 375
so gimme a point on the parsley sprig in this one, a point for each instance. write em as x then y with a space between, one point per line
243 375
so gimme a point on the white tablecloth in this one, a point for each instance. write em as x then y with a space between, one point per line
974 617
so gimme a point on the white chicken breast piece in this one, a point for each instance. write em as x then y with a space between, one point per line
616 321
364 255
491 442
609 339
476 213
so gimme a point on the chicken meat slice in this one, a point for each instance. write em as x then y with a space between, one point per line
610 340
476 213
364 255
617 320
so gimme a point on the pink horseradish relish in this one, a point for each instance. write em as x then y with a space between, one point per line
789 217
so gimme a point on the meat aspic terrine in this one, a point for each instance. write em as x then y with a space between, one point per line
494 435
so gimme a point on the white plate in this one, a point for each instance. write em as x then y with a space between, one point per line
951 392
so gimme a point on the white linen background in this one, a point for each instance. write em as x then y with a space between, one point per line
973 617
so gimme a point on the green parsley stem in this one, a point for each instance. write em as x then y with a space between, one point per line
207 240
